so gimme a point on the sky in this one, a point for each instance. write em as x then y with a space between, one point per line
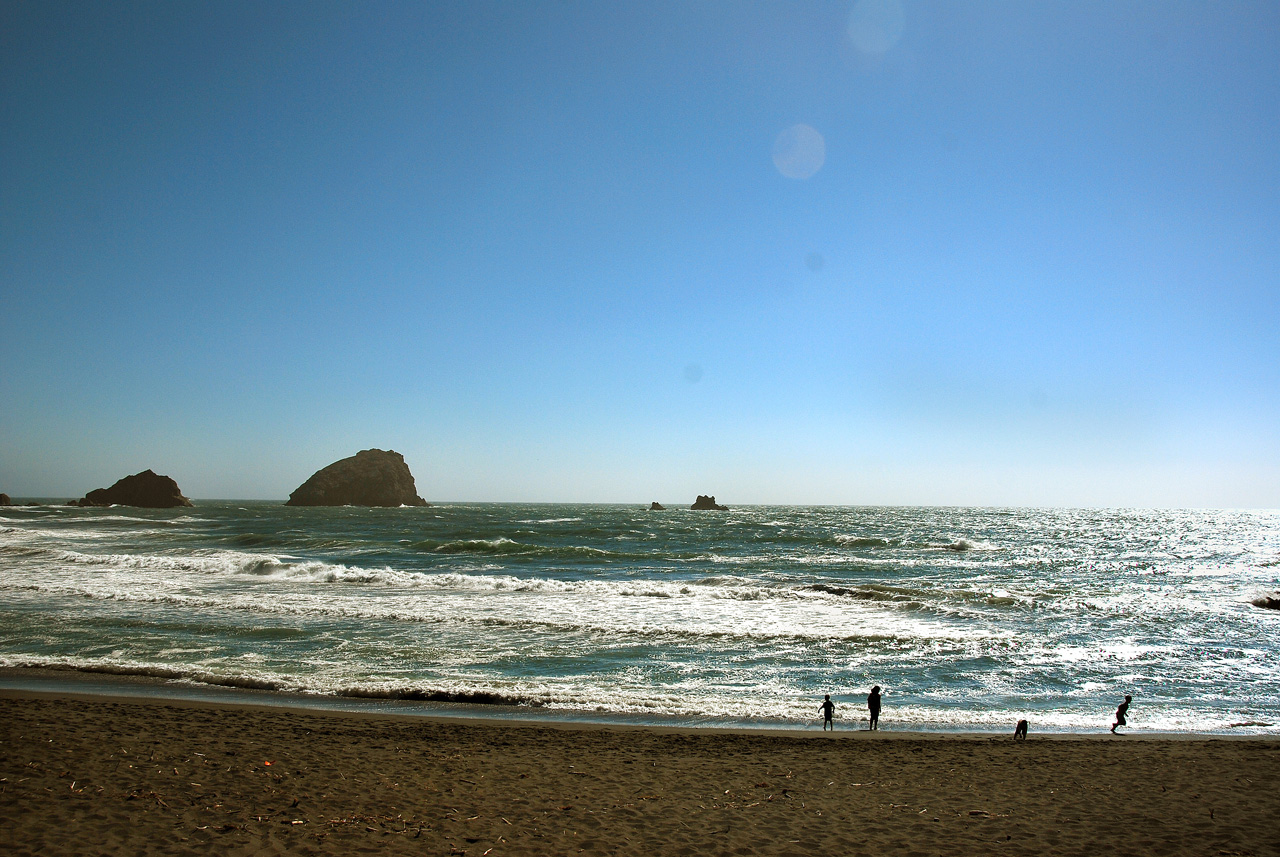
873 252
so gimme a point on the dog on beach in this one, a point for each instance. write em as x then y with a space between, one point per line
1020 734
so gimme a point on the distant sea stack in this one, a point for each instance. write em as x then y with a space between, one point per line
705 502
5 501
371 477
655 506
147 489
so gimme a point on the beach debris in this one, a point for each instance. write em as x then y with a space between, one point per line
1268 601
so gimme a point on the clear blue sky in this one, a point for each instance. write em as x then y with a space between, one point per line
1018 254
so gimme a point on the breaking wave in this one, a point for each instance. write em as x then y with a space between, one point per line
953 611
866 542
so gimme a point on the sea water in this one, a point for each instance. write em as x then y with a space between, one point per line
968 619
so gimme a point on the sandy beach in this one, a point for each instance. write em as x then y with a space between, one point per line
115 775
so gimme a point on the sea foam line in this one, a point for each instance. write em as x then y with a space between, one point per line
683 623
952 601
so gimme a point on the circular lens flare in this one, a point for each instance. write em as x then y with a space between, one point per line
799 152
876 25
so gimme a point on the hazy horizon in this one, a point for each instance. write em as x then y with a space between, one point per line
675 505
819 253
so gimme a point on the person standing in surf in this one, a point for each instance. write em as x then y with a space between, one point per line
873 705
1120 713
828 709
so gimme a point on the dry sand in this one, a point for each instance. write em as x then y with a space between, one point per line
90 776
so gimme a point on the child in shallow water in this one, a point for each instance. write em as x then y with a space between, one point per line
1120 713
828 708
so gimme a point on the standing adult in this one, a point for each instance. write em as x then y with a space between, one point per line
1120 713
873 705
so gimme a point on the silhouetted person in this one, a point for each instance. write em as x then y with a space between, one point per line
1120 713
828 708
873 705
1020 733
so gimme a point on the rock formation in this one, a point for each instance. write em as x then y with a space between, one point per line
371 477
146 489
1270 601
655 506
5 501
705 502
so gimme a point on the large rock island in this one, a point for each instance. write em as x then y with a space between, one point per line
147 489
705 502
371 477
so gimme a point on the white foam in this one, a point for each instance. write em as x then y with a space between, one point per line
550 521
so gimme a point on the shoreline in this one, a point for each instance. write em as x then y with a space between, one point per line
127 775
76 683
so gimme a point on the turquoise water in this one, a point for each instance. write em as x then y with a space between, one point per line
967 618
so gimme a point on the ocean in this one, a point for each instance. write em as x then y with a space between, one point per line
969 619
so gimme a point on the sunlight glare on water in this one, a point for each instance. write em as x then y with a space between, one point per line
968 618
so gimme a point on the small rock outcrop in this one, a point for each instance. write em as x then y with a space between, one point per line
5 500
655 506
705 502
1270 601
148 490
371 477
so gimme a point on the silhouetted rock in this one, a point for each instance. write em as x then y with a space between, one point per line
5 501
371 477
146 489
705 502
655 506
1271 601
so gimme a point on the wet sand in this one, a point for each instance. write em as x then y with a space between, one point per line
112 775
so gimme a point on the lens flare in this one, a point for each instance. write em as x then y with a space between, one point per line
876 25
799 152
